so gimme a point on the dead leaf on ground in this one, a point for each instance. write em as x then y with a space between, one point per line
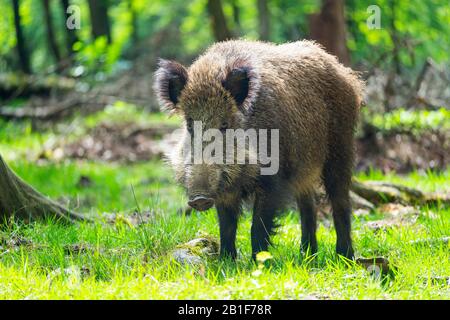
437 280
15 241
134 219
80 248
394 215
75 273
396 210
376 266
361 212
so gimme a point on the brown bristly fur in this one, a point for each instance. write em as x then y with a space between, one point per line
295 87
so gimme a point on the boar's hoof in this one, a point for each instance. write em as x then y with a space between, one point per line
201 203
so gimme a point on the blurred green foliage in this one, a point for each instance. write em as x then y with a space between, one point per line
414 121
181 29
422 27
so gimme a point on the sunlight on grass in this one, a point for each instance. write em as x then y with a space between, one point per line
120 265
121 261
429 181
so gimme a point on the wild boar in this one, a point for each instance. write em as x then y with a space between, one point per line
295 89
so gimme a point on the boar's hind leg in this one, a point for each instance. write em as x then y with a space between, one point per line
262 224
307 210
228 220
337 178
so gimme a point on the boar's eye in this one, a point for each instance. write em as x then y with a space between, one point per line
224 126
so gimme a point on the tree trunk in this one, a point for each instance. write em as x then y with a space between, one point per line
19 200
50 34
352 23
134 22
218 21
22 51
264 18
236 16
395 38
236 13
329 29
71 36
98 10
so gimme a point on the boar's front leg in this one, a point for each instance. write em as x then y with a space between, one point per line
264 211
228 213
308 218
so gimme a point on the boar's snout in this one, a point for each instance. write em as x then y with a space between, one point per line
201 203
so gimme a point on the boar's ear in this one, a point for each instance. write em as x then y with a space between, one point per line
242 84
170 79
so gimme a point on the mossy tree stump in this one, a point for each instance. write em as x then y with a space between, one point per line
20 200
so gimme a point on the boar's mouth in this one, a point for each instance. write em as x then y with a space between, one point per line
201 202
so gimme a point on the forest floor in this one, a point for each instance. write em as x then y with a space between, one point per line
129 253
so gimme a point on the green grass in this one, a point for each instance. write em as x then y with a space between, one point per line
125 262
415 121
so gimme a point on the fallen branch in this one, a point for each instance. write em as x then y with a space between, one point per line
378 192
54 111
21 85
39 113
359 202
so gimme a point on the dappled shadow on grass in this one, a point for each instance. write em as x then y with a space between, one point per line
108 253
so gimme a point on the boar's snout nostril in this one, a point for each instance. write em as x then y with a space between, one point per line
201 203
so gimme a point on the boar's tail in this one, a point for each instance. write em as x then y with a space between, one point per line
354 78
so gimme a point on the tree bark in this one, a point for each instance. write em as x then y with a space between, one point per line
218 22
395 37
329 29
98 10
71 36
134 21
53 45
22 51
19 200
236 14
264 20
237 30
